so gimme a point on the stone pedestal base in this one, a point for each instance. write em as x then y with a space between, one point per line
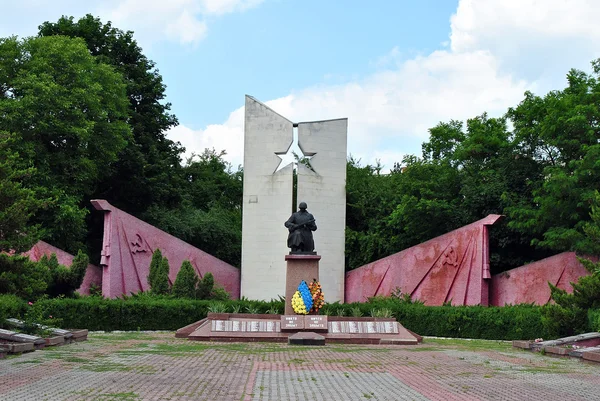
299 267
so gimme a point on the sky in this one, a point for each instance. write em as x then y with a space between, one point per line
394 68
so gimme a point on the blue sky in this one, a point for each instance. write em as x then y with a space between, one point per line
394 68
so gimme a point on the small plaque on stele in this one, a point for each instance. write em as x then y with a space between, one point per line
292 322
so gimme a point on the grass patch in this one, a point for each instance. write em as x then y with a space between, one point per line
106 367
491 345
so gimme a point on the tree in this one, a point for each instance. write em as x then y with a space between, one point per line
560 131
210 215
18 203
148 170
67 116
186 281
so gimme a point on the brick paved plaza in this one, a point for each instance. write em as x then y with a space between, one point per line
156 366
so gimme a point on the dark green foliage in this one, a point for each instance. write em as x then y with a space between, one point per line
210 215
66 115
18 203
161 284
569 314
65 281
185 282
205 286
594 319
154 267
22 277
145 312
148 169
11 306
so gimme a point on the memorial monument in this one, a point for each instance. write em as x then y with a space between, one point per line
268 198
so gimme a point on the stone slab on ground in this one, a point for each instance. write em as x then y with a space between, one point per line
306 338
593 356
17 348
57 340
523 344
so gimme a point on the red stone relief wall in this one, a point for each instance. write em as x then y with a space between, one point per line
529 283
127 249
453 268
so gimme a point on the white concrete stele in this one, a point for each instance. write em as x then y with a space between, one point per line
268 199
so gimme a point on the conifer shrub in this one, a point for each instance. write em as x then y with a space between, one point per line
185 282
154 267
205 286
161 280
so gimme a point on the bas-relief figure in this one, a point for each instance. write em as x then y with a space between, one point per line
301 224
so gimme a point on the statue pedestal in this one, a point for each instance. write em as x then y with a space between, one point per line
299 267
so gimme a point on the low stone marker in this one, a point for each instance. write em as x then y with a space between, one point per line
306 338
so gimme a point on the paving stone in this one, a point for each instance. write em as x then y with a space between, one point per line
157 366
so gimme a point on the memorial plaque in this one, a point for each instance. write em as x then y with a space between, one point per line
236 326
291 322
218 325
254 326
270 325
370 327
352 327
317 323
334 327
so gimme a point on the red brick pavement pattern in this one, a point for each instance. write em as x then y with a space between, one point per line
157 366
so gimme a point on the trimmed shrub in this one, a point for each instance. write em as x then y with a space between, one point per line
22 277
161 280
185 282
205 286
154 267
152 312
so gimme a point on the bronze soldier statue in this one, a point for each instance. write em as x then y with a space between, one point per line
301 225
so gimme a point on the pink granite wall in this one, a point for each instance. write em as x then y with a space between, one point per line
529 283
127 249
452 267
93 274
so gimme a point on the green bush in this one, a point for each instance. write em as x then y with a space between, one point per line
151 312
161 279
154 267
185 282
594 319
22 277
205 286
11 306
65 280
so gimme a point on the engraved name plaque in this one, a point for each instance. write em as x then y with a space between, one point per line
291 322
316 323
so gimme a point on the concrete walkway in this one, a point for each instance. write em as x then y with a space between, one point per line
156 366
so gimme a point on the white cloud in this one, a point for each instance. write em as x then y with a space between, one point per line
181 21
178 20
497 50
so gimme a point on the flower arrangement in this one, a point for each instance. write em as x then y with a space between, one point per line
308 298
302 299
317 296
